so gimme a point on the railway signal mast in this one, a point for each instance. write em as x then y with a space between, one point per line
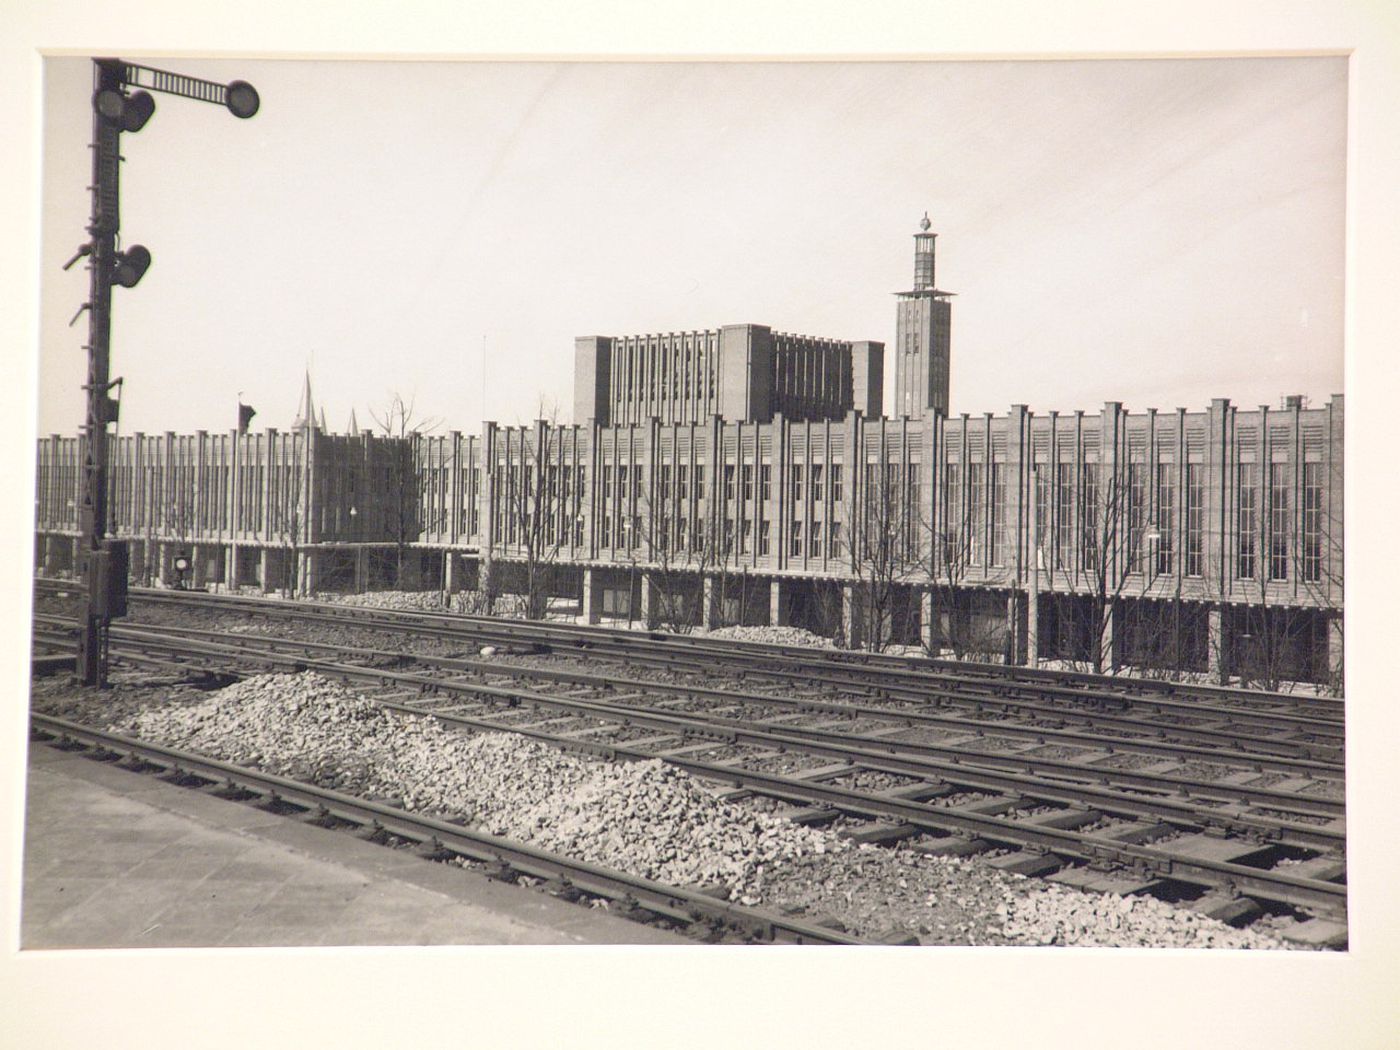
117 109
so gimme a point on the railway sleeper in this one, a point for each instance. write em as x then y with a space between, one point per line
879 834
1028 862
953 846
1227 907
1317 933
1094 879
1323 868
1065 820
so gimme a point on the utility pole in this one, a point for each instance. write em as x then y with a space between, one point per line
115 110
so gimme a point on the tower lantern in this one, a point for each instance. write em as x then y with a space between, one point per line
923 255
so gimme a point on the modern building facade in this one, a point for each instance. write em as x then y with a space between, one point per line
743 372
741 475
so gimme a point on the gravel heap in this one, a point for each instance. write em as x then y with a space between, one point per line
1059 915
645 818
773 636
648 819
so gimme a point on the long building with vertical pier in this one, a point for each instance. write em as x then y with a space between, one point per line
741 475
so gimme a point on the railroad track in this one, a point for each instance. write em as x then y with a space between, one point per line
646 900
1158 833
917 680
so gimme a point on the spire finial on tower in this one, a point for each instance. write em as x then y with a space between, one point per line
924 223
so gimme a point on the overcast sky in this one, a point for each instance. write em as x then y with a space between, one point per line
1153 232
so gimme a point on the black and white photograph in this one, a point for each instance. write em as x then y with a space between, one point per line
769 508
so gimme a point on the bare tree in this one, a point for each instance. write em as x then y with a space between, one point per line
673 565
947 553
287 518
1276 633
1110 546
399 421
538 513
885 552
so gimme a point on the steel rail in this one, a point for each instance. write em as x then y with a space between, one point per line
1249 759
1034 766
1229 741
953 770
1079 684
630 643
1326 897
673 902
1316 895
908 669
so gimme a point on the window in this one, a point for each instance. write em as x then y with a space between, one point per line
911 511
765 482
977 512
1064 515
1137 514
1312 522
682 535
728 535
682 491
953 525
699 481
815 542
664 482
796 548
796 482
763 537
729 482
835 539
1278 520
745 534
1195 518
816 483
1246 522
605 529
836 495
1166 518
998 513
1089 516
607 482
746 480
1042 508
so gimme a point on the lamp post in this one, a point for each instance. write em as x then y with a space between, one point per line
355 540
116 110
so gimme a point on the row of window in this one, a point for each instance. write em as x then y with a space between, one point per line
640 379
1080 515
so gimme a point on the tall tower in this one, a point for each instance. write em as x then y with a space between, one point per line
922 329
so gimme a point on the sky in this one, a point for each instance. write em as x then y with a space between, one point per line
1155 232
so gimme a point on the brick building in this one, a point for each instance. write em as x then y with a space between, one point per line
742 475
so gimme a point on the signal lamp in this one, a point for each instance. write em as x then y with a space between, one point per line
130 112
132 265
242 100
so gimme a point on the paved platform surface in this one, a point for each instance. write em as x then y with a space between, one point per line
115 859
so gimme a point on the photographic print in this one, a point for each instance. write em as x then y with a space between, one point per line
690 503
